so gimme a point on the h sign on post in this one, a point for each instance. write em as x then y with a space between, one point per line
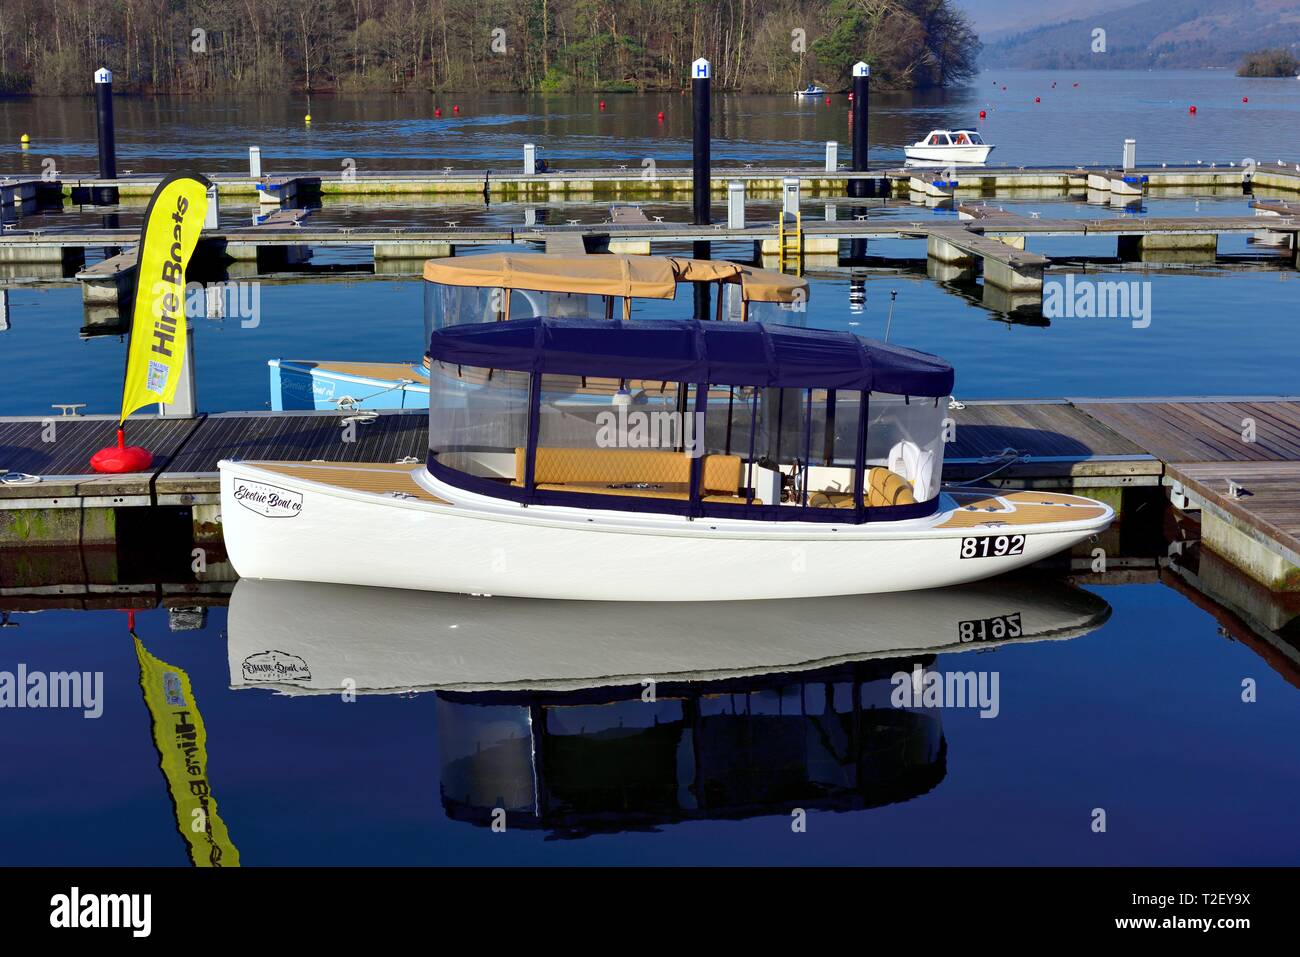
701 69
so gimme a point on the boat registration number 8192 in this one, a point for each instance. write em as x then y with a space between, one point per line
992 546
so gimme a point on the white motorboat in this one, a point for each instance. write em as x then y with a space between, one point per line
948 148
661 460
812 90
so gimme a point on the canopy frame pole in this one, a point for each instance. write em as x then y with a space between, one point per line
807 447
697 461
828 439
718 312
860 456
534 427
753 436
627 308
731 404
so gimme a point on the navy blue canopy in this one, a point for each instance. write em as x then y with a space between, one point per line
686 350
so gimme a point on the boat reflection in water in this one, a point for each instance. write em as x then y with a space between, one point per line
578 717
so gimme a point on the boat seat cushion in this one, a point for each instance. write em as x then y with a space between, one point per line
883 487
566 466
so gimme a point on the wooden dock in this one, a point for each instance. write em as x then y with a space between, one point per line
632 180
988 239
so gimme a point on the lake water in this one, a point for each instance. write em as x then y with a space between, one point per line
1135 708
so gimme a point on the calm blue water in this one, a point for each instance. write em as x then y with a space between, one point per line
1141 717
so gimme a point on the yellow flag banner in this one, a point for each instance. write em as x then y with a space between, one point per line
158 328
182 741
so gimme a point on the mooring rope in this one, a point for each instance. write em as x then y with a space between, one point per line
1008 457
19 478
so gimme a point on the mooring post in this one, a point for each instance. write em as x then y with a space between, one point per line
186 404
861 90
1130 154
701 88
105 195
213 218
530 159
701 180
832 156
4 309
255 162
736 204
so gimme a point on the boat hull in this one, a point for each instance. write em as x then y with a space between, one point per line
300 384
940 156
280 526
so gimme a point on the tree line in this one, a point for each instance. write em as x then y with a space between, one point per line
52 47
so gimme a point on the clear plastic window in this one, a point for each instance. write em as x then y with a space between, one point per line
477 418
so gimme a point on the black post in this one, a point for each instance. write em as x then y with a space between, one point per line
701 88
107 141
861 90
701 181
861 126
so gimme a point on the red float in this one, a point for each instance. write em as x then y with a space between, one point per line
121 457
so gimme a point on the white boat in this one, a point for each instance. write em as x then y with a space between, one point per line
812 90
949 148
663 460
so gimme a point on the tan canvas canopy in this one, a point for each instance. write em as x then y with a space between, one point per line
634 277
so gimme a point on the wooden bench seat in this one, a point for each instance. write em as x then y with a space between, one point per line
604 467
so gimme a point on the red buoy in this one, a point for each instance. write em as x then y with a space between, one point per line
661 116
438 111
1191 109
1245 99
1037 100
121 457
602 104
850 97
982 114
455 109
828 101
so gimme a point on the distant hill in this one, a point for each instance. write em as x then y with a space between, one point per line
1155 33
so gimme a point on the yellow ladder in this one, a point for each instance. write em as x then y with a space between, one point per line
790 241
